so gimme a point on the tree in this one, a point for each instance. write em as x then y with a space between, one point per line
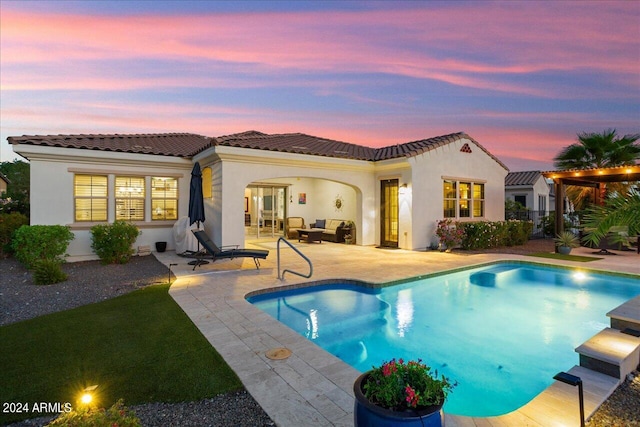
617 210
16 199
597 150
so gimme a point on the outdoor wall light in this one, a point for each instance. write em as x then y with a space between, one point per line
573 380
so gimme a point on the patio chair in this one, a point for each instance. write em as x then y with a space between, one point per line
293 223
214 252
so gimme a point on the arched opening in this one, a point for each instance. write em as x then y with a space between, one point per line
269 203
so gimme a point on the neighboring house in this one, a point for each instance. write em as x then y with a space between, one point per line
4 181
532 191
394 194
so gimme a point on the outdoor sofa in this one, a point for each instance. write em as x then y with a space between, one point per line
333 230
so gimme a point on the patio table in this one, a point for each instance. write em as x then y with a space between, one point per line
310 234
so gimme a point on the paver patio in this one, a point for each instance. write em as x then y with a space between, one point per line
313 387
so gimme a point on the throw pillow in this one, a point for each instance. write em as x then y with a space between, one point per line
320 223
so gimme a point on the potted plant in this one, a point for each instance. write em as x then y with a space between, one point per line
400 394
348 239
566 241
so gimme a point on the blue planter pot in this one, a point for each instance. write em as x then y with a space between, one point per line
366 414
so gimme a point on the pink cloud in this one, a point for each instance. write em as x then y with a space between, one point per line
513 41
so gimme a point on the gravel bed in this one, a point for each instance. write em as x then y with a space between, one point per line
92 282
622 409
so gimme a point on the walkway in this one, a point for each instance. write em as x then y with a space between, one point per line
312 387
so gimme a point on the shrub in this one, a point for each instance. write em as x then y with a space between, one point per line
118 415
492 234
35 242
48 272
450 233
9 223
112 242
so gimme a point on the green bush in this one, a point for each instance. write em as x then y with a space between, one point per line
9 223
112 242
34 242
492 234
48 272
118 415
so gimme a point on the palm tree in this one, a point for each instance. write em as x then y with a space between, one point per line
597 150
616 211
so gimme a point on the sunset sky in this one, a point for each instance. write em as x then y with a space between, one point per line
521 77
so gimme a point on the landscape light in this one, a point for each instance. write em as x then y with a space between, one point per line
87 395
573 380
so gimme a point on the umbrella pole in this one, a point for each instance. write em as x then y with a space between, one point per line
198 261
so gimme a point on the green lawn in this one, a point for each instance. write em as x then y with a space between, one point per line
577 258
140 347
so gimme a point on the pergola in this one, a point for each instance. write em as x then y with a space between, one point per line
595 178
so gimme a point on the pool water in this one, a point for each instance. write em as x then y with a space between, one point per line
501 331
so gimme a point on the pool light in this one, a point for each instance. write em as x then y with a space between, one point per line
579 275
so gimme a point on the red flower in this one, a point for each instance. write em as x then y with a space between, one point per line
412 397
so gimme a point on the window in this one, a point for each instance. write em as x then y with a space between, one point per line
90 197
478 200
542 203
206 183
130 195
164 198
522 199
463 199
449 199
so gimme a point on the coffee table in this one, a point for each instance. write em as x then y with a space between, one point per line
310 234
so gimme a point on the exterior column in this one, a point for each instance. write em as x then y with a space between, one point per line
559 190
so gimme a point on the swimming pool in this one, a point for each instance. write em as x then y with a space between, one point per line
501 331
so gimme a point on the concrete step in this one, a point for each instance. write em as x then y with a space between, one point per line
611 352
626 315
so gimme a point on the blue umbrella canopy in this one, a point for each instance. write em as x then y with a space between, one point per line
196 202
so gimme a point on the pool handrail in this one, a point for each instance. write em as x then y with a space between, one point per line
281 276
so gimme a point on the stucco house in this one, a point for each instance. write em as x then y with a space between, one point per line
254 181
533 192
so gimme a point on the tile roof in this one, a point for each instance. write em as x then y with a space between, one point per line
163 144
522 178
188 145
298 143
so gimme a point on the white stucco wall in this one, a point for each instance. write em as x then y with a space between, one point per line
448 162
532 193
241 167
233 169
52 202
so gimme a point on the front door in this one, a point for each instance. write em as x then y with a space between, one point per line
389 213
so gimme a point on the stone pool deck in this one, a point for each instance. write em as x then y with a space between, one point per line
314 388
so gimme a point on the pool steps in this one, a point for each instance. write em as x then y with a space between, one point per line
611 352
615 351
626 315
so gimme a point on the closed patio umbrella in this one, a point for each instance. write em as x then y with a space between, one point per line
196 201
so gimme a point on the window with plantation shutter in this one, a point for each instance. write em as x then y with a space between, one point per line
90 197
164 198
130 195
